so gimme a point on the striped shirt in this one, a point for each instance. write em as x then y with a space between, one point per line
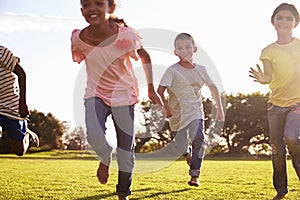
9 90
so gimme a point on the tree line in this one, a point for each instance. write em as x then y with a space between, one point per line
245 129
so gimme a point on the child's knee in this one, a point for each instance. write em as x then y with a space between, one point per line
292 139
274 149
17 147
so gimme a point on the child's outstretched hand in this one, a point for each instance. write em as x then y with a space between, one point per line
257 75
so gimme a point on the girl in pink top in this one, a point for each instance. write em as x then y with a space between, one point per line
106 46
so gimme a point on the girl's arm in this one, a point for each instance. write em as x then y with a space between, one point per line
147 65
263 77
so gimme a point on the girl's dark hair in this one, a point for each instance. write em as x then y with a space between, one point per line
286 6
115 18
184 36
110 2
119 21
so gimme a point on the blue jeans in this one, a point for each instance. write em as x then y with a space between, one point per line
96 115
284 125
196 134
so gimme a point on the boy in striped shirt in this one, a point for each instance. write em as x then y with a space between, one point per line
13 107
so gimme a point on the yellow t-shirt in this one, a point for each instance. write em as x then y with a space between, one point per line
285 84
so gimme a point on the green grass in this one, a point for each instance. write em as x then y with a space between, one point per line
60 175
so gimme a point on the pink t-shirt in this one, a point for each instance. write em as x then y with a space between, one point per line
109 70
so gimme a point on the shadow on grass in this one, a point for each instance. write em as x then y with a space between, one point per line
157 194
104 196
97 197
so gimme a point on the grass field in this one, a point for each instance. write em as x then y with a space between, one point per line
72 176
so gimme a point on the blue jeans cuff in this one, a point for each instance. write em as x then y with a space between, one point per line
194 172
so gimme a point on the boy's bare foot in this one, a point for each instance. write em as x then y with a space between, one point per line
194 181
103 173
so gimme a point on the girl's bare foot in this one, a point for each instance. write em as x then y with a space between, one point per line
103 173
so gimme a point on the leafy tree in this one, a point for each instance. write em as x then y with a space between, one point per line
75 140
246 123
158 132
48 128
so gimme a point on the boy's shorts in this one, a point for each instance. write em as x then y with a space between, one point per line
15 129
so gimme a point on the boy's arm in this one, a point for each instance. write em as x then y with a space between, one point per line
160 90
216 96
146 61
23 109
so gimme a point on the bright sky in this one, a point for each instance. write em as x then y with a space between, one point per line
231 32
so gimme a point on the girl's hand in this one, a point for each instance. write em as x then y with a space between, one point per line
153 96
257 75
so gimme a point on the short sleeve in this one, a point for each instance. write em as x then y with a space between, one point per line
7 59
128 33
136 39
167 78
205 76
266 54
77 54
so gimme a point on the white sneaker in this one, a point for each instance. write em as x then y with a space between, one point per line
34 140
